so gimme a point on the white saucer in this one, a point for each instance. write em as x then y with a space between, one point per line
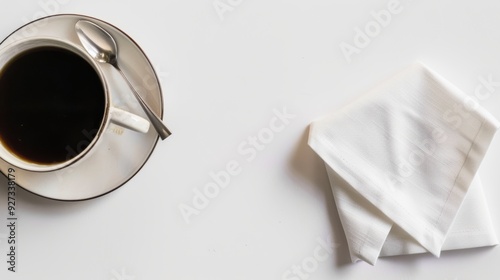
121 153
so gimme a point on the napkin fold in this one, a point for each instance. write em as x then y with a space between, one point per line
402 162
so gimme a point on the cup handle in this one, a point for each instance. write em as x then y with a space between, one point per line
128 120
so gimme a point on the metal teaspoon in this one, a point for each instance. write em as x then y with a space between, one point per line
103 48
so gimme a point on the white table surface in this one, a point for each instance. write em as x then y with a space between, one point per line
223 76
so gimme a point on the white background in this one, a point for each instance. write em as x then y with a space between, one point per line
222 75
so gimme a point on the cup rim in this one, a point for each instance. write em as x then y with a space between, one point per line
32 43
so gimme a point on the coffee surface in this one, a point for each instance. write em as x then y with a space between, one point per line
52 103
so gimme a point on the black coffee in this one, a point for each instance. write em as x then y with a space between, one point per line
52 104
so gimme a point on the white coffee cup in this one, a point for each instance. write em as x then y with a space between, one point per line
111 114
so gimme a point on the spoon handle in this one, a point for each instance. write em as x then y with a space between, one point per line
155 120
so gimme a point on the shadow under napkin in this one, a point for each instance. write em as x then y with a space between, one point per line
308 165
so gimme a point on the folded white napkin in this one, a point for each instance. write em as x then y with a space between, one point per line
402 162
